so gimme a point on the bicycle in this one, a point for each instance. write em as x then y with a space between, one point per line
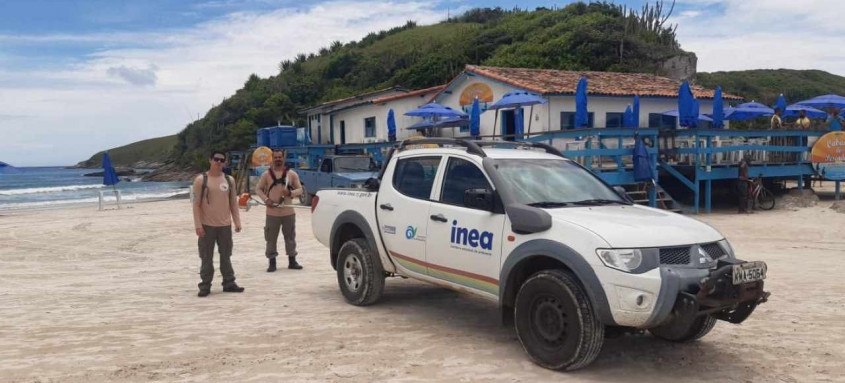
762 197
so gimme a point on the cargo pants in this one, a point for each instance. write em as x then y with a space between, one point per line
287 225
222 236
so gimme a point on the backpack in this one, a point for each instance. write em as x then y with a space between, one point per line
278 181
204 191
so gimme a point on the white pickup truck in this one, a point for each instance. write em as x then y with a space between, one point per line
568 258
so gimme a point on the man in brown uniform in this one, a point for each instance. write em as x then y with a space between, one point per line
215 207
277 187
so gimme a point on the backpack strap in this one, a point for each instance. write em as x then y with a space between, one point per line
204 190
232 192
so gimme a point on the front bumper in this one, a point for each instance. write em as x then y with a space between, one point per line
687 294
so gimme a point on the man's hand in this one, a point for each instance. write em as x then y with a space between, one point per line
237 228
200 232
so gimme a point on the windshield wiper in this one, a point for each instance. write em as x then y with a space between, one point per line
598 201
548 204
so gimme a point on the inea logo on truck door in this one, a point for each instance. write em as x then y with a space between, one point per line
472 238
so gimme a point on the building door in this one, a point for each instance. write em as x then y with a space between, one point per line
508 124
342 132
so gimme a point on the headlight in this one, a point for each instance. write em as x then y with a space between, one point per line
621 259
728 249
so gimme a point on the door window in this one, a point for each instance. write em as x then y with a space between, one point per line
414 177
326 167
461 175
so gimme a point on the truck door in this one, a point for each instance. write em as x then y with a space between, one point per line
402 208
464 244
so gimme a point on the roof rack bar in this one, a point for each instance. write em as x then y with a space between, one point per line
472 147
539 145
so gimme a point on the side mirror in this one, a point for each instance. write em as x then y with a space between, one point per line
623 193
372 184
481 199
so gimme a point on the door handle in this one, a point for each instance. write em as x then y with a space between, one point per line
439 218
386 206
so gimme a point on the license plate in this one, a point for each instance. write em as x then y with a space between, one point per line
749 272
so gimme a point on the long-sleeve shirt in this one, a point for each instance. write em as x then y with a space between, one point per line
276 194
218 207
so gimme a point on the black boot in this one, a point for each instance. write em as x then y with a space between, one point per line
233 288
203 293
272 266
292 263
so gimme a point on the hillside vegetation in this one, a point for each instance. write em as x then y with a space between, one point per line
152 152
596 36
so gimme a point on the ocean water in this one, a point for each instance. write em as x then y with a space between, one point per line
40 187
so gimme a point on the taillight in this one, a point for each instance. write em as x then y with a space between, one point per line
314 201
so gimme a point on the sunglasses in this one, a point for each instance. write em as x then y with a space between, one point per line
218 159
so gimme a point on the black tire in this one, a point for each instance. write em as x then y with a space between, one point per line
359 273
766 200
305 198
680 333
555 321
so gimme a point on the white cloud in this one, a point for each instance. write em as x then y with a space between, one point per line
95 104
770 34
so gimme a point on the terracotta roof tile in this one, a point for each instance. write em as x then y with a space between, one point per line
550 81
418 92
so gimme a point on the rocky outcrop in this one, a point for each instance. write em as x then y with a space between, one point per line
681 67
170 173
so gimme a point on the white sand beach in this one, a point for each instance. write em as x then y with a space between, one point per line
91 296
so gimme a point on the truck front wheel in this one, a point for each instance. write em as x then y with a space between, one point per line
359 273
555 321
683 331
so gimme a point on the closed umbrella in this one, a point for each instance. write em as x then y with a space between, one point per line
582 117
475 119
780 103
519 123
687 115
636 110
391 126
109 174
643 170
718 115
628 118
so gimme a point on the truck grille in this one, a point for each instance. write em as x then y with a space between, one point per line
674 255
713 250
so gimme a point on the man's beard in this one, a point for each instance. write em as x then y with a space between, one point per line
278 163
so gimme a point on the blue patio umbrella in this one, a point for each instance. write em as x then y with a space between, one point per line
582 117
443 123
433 110
674 113
517 99
812 113
686 106
748 111
780 104
718 116
391 126
636 110
109 174
628 118
519 123
475 119
826 101
643 170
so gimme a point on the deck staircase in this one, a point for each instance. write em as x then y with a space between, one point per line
639 194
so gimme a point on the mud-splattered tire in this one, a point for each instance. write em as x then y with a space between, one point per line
555 321
359 273
305 198
694 331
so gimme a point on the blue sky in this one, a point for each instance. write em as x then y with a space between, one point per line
80 76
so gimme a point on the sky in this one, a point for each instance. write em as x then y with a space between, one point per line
77 77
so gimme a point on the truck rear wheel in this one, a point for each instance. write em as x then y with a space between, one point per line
555 321
359 273
678 331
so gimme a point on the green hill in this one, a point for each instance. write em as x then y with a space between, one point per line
596 36
146 153
764 85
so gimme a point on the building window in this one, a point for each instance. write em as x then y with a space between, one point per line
658 120
613 120
369 127
567 120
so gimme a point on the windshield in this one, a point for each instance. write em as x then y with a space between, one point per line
354 164
553 183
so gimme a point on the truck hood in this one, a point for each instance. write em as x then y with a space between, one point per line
356 176
637 226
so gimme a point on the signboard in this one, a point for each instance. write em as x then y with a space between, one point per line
828 156
475 90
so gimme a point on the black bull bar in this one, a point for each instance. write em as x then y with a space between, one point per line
718 297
